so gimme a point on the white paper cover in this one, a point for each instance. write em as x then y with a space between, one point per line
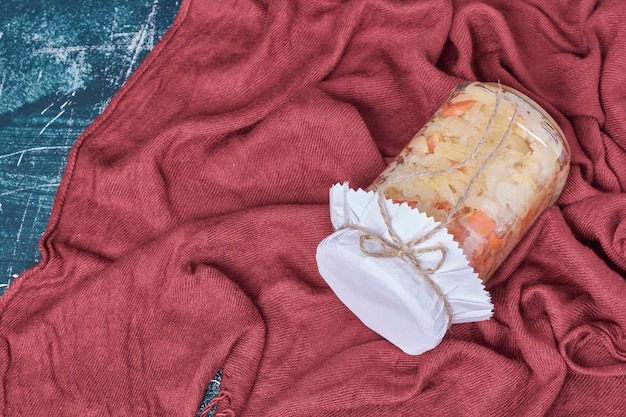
387 294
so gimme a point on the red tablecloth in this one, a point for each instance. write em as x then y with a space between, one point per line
183 236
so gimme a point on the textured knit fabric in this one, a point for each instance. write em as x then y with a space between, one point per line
183 236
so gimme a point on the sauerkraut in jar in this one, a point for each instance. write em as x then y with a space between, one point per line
487 164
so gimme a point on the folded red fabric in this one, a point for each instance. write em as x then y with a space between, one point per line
183 236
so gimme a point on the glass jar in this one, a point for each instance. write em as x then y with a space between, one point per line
487 164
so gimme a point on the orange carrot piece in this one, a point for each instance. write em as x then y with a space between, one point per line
410 203
457 109
481 222
443 205
493 242
431 142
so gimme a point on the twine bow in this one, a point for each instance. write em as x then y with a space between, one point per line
411 252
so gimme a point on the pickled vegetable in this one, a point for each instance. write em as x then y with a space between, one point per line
487 164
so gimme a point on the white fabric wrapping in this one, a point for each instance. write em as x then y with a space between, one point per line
387 294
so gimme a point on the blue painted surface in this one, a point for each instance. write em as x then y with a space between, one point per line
60 64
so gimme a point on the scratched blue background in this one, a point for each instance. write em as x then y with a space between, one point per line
60 64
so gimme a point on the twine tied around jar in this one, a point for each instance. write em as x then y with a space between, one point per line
410 252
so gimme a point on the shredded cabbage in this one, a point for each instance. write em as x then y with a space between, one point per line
524 176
